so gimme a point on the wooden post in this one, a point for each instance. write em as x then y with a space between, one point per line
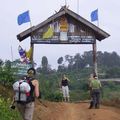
32 46
95 59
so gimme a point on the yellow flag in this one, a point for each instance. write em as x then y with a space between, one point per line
48 33
29 53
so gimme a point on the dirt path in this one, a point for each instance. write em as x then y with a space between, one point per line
74 111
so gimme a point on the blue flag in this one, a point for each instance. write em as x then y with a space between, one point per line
94 15
23 18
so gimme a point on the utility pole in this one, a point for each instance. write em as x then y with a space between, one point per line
11 54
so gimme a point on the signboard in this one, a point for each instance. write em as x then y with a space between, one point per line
81 39
63 36
22 68
65 40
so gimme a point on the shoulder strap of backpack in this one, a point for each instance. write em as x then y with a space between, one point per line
19 90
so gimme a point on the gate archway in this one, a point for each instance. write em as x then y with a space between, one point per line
65 27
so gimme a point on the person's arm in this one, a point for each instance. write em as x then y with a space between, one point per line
60 84
90 85
36 84
100 84
68 79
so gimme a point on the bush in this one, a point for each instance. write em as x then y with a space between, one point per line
56 96
6 113
78 95
111 96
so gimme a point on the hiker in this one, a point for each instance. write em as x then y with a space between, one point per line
26 109
65 88
95 86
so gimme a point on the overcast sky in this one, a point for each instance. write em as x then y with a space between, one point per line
40 10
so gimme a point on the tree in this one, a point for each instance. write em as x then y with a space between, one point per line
88 58
60 60
115 59
60 66
7 73
78 61
45 67
44 61
1 64
70 61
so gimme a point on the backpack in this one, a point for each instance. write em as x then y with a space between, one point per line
22 90
95 84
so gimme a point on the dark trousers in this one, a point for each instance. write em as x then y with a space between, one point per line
95 95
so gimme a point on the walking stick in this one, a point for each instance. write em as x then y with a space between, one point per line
42 103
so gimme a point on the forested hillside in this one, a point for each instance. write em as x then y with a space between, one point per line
78 70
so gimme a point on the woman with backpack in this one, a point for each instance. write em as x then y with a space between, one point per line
26 108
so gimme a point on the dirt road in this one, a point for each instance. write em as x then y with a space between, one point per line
74 111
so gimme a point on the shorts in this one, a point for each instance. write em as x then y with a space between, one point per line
65 91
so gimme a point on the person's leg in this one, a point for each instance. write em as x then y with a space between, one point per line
29 109
21 109
64 93
67 94
93 101
91 104
65 99
97 100
68 99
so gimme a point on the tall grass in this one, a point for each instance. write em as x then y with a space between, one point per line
6 113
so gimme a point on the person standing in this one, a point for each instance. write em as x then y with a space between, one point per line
95 86
26 109
65 88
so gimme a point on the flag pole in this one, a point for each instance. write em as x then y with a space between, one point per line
78 7
96 66
11 54
98 22
94 45
98 19
31 45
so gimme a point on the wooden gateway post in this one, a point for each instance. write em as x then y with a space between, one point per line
65 27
